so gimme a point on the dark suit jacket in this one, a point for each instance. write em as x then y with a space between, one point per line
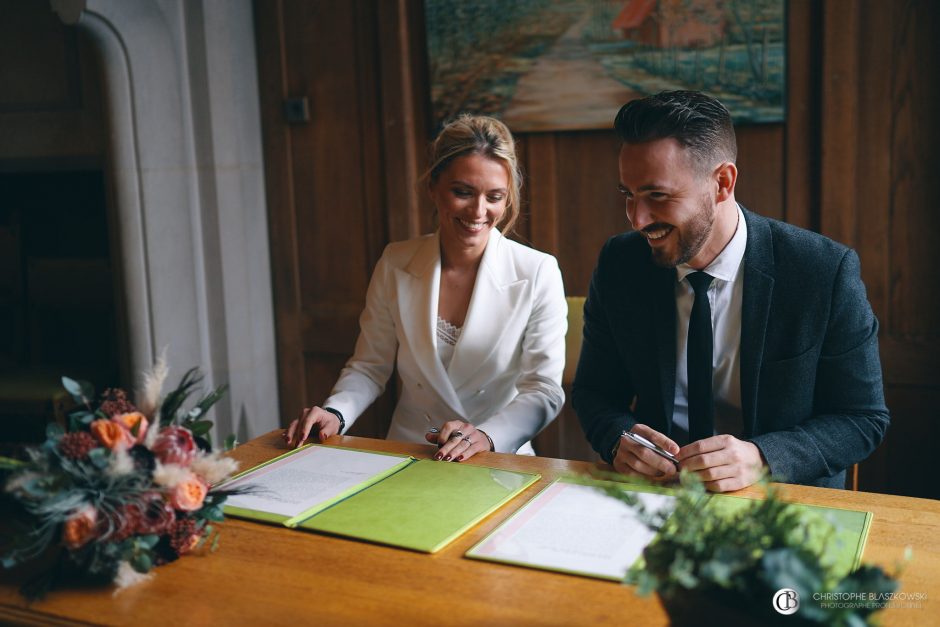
811 390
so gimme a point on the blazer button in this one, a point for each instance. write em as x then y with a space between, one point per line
420 387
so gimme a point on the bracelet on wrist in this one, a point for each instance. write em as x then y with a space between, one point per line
488 439
338 414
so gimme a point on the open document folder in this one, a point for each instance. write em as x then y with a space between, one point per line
379 497
577 529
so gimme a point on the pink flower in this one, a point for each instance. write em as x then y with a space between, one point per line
133 420
188 495
175 445
80 527
112 434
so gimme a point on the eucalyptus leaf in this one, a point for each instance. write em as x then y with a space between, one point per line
54 431
74 388
100 457
149 541
142 563
213 513
81 391
84 417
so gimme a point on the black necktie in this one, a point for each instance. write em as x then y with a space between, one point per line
701 409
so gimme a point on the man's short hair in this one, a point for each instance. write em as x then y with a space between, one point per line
698 122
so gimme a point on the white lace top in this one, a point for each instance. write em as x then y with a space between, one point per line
447 336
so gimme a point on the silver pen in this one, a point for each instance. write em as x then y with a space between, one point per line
639 439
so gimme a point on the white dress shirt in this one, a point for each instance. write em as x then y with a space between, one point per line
724 296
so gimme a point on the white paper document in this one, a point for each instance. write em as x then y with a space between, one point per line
573 528
315 475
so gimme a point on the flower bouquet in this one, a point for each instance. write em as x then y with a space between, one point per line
127 488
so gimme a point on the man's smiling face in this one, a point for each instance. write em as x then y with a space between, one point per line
668 199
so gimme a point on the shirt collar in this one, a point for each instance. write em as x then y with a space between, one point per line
725 265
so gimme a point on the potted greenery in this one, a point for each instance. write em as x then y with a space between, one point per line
726 567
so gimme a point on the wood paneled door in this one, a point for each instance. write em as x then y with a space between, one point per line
340 164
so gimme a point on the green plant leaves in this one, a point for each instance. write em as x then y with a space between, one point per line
142 563
175 399
54 431
200 427
748 552
100 457
81 391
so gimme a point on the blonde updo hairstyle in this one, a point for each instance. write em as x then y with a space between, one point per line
478 135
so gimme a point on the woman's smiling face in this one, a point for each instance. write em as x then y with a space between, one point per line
470 195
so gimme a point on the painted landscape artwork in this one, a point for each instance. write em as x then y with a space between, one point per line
545 65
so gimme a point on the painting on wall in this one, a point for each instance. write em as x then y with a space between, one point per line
547 65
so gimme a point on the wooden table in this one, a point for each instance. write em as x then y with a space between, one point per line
267 575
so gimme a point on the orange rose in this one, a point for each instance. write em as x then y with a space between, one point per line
112 434
188 494
133 420
80 527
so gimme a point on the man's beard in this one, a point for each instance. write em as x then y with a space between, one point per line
692 236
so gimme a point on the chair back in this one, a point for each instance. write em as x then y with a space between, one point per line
573 337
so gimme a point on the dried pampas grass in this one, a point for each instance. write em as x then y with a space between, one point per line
213 467
126 577
149 395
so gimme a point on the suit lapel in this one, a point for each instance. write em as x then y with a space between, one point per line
496 295
418 289
755 311
663 289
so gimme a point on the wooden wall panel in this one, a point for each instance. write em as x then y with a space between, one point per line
760 169
878 171
589 208
801 144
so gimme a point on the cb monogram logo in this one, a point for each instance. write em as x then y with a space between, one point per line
786 601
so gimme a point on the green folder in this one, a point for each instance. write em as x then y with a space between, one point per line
423 507
852 528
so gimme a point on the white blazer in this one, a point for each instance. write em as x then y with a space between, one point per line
505 373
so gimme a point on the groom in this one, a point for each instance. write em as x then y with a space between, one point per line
732 341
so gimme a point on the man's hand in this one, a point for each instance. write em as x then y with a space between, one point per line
633 459
723 462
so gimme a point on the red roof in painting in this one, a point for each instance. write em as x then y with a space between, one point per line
634 13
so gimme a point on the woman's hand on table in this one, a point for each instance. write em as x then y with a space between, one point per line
313 421
458 441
